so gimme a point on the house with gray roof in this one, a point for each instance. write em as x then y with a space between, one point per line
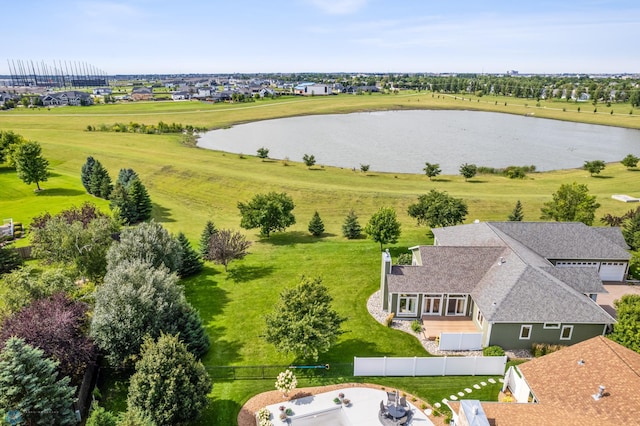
518 282
70 97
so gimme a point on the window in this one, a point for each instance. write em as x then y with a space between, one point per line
480 318
407 305
552 325
525 332
566 333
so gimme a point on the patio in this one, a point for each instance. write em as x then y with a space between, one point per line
436 324
321 409
616 291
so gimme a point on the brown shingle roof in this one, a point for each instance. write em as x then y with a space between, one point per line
557 380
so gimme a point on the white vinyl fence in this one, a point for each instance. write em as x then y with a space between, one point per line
432 366
518 386
460 341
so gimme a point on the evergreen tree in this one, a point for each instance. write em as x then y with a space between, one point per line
205 238
188 325
10 259
100 181
126 176
85 174
631 229
316 227
140 200
29 386
122 204
191 260
517 215
169 386
351 229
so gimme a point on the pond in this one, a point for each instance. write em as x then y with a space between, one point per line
402 141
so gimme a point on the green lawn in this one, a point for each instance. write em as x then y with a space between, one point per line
189 186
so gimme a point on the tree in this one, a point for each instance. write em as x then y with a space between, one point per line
8 142
468 170
31 166
135 299
631 229
191 260
29 385
21 286
630 161
121 204
10 259
309 160
205 237
57 326
571 203
316 227
73 243
225 246
594 167
140 201
188 325
100 181
263 153
269 212
86 172
432 170
148 242
364 168
517 215
126 176
169 386
383 226
626 330
303 322
437 208
101 417
351 228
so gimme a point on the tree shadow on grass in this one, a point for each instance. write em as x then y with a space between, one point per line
7 170
161 214
290 238
222 352
440 180
56 192
476 181
244 273
348 348
602 177
221 412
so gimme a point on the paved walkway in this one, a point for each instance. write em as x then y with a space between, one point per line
467 394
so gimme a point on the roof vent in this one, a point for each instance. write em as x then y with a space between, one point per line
600 393
581 362
476 221
501 261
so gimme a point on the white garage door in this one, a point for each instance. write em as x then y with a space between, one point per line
612 271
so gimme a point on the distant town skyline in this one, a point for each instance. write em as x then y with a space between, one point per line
375 36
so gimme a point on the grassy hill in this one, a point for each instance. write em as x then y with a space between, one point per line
189 186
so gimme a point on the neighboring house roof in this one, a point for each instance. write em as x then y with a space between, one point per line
142 91
557 380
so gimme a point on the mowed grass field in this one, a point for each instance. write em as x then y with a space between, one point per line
189 186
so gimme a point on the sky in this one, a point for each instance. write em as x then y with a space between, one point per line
368 36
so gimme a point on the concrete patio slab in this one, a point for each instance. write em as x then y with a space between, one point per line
363 410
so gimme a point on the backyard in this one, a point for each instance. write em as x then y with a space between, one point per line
189 186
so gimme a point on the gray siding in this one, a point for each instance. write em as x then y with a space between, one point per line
508 335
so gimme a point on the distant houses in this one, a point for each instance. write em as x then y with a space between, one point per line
72 98
142 94
312 89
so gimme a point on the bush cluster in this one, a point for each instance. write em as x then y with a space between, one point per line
541 349
493 351
150 129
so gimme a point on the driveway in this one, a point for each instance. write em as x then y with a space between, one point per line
616 291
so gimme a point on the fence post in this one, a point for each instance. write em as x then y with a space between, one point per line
384 367
475 365
415 362
444 365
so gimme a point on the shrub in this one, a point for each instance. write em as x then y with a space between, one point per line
389 320
263 414
416 326
541 349
493 351
405 259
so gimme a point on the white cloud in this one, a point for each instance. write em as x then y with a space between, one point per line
339 7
